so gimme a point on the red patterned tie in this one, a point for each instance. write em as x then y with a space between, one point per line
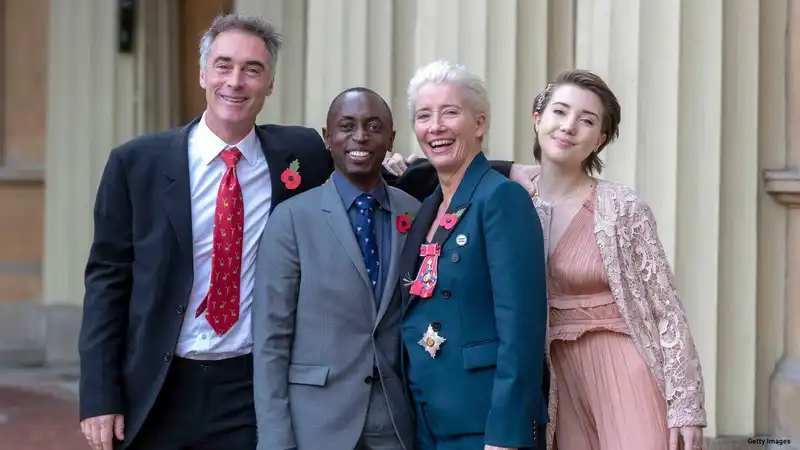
221 305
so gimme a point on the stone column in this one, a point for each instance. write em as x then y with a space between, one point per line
784 185
157 65
737 278
90 110
348 43
287 103
772 243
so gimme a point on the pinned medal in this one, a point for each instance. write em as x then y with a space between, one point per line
461 240
431 341
428 273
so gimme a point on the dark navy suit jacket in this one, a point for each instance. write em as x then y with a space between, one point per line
489 304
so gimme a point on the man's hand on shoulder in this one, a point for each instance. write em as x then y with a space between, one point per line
101 430
396 164
523 174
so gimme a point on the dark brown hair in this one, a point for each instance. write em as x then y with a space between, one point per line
609 122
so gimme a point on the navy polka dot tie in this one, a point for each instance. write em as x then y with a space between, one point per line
365 234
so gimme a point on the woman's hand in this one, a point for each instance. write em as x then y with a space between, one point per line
692 438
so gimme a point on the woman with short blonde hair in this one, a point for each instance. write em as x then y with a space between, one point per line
474 301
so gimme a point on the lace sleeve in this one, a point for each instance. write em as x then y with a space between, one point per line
682 372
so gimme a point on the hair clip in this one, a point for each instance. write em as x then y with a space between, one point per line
542 95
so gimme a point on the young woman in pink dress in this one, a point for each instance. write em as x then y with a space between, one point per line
625 371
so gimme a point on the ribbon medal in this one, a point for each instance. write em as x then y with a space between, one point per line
428 272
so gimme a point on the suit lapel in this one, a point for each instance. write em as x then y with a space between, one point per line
416 236
460 201
177 196
398 239
278 160
343 230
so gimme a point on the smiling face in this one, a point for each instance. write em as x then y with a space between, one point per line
237 81
359 132
569 128
447 131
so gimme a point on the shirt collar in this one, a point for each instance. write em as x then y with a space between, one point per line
209 145
349 193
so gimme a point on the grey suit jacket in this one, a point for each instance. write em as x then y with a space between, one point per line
317 333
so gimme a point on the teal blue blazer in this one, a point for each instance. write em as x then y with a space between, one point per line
489 304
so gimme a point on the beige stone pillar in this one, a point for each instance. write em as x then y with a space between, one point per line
738 232
784 185
287 103
687 74
772 244
348 43
90 110
157 66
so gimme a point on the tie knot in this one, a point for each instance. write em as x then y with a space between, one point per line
365 202
231 156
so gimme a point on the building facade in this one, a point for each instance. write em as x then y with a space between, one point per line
710 137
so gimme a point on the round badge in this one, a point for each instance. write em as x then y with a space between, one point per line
461 240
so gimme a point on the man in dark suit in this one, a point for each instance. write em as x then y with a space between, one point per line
165 340
165 343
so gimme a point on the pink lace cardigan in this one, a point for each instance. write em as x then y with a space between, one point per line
643 286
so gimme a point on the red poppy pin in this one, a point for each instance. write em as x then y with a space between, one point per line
403 222
291 176
450 220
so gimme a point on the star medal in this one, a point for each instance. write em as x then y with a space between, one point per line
431 341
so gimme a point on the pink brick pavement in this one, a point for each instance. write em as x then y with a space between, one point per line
38 420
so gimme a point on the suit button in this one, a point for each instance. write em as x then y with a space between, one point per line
167 356
368 380
436 326
455 258
179 310
445 293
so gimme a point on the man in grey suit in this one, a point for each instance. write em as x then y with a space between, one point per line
326 344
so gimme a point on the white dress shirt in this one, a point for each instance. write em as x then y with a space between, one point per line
197 339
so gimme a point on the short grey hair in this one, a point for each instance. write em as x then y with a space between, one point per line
250 24
445 72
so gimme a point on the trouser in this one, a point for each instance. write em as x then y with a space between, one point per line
203 405
379 432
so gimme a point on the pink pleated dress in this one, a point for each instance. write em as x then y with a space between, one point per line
607 398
